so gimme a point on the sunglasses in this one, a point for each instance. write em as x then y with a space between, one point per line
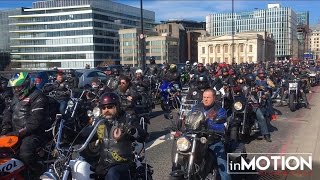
109 106
123 83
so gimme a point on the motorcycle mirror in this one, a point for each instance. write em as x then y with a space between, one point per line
168 116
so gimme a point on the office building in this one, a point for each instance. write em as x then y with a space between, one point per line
281 22
71 33
314 44
162 47
303 32
180 28
248 47
5 36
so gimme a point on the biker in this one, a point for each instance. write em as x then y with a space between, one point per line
201 70
26 117
197 88
262 122
152 69
265 84
120 131
173 76
209 106
303 89
126 93
5 96
62 93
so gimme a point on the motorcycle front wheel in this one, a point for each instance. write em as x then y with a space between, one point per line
292 104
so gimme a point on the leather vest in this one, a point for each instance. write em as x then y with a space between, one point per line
115 151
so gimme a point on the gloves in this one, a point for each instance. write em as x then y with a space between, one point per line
14 133
133 132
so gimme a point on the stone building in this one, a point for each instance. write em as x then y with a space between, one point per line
249 47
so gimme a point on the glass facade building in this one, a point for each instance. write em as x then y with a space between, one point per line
280 22
71 33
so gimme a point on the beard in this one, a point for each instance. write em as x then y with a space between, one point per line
123 89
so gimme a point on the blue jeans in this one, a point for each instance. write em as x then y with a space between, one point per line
63 106
220 154
262 122
118 172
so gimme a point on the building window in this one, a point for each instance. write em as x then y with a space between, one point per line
211 49
211 60
241 59
218 60
218 49
203 50
250 48
226 49
250 59
241 47
226 60
203 60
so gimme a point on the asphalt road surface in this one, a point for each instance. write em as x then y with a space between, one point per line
159 147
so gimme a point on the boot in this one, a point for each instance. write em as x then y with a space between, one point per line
267 138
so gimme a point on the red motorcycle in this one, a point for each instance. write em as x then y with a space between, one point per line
10 167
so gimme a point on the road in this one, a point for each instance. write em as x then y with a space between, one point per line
282 130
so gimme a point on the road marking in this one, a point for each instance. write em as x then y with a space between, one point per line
158 141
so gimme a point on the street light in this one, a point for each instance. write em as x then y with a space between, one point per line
265 34
232 36
142 39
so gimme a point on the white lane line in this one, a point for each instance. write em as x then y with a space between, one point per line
158 141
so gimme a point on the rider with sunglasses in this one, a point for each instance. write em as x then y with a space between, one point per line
120 131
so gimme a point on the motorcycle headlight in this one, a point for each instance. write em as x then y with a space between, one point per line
183 144
70 104
183 99
293 85
96 112
237 106
89 113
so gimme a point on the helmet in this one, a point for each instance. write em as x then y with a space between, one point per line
20 83
187 62
195 64
139 71
202 82
250 78
109 98
115 71
152 60
173 67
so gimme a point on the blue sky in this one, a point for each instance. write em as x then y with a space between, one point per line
198 9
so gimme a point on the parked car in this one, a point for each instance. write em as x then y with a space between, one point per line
119 67
86 75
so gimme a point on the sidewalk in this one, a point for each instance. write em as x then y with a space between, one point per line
307 137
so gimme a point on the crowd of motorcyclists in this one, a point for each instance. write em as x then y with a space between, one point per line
237 98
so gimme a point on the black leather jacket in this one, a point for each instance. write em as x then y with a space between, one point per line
152 69
62 92
140 84
172 77
29 115
5 98
119 151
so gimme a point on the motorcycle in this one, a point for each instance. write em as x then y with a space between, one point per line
71 164
312 79
243 112
169 96
294 94
13 168
191 156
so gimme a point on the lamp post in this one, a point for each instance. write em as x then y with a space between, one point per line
232 35
265 35
142 62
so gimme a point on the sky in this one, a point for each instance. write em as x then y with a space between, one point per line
198 9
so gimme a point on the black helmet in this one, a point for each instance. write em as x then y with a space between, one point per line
202 82
109 98
152 60
250 78
115 71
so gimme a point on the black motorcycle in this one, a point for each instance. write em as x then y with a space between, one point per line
191 155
